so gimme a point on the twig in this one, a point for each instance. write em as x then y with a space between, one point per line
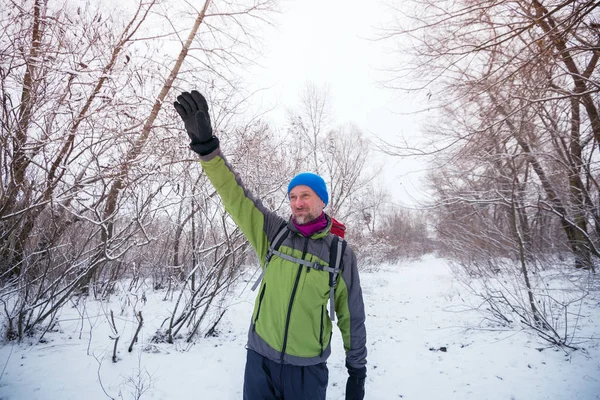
6 363
139 328
115 338
100 378
212 329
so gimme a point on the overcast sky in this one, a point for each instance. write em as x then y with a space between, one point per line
330 43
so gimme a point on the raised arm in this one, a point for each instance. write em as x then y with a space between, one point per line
258 223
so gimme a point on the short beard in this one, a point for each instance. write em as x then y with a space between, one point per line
308 218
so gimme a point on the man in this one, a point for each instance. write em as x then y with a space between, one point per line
290 332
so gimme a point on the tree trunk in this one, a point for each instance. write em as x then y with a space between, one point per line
21 161
136 149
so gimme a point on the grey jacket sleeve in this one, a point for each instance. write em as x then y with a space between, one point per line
350 311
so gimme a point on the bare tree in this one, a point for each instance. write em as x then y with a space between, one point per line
311 121
512 89
348 167
503 71
89 159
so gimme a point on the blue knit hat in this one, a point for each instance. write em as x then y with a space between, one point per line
313 181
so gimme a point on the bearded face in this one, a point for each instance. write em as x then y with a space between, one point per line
306 205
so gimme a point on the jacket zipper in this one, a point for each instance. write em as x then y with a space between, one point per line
289 313
321 332
260 299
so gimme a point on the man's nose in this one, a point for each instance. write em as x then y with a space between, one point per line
298 203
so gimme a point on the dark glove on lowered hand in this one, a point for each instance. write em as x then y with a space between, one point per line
355 386
193 110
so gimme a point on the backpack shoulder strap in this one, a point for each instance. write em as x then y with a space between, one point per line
276 243
273 247
336 260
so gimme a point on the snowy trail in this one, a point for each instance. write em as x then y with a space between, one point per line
414 313
411 314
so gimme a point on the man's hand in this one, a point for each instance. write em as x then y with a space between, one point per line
355 385
193 110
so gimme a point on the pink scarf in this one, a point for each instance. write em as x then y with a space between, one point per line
313 226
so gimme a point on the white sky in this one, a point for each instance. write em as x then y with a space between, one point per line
329 43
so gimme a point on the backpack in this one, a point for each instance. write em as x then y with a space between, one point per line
336 254
337 228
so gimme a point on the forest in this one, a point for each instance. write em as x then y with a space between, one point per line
100 194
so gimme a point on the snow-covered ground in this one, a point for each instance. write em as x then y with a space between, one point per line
411 316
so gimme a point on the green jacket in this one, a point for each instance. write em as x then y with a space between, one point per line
290 323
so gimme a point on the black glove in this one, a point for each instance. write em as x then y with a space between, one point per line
355 385
193 110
